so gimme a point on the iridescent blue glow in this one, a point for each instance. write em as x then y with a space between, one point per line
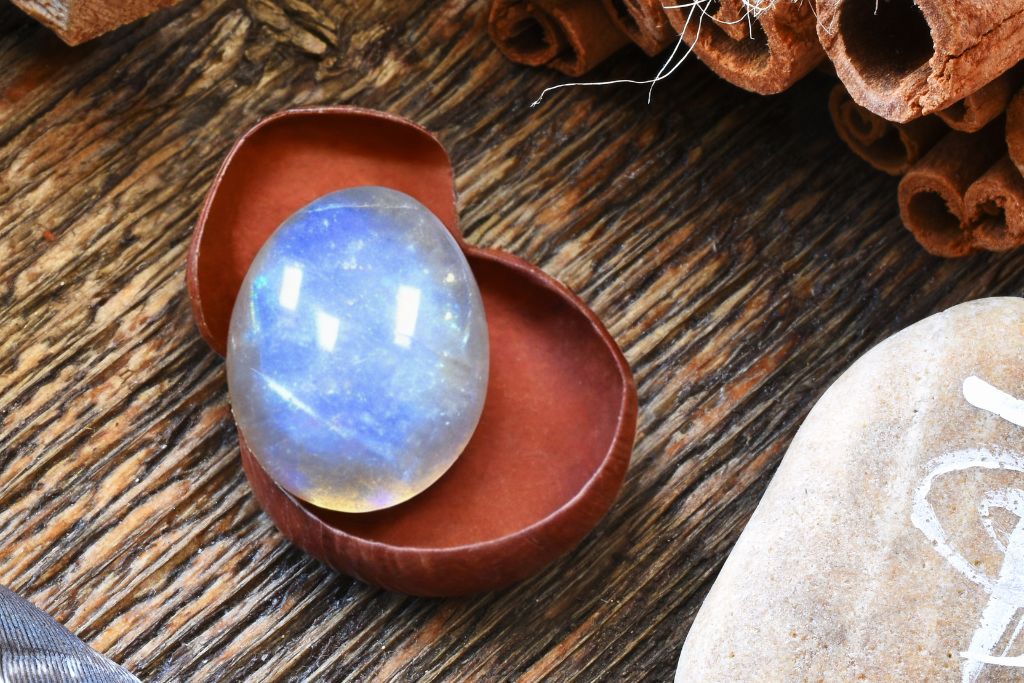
357 354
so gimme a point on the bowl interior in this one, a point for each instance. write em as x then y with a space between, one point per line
555 400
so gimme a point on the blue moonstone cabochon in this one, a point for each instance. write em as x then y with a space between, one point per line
357 354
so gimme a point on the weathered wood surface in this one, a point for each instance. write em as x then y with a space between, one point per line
740 255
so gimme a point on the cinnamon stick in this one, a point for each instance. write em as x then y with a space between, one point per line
644 22
525 34
995 207
76 21
975 111
734 18
572 36
931 194
1015 130
902 59
765 52
890 147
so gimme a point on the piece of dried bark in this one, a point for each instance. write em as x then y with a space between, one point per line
572 36
995 207
903 59
890 147
765 54
644 22
1015 130
77 21
978 109
931 194
524 33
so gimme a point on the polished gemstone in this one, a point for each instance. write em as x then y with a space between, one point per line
358 352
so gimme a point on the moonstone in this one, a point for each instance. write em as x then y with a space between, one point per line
358 352
890 544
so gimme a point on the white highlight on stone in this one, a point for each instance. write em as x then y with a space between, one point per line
1006 590
291 284
407 310
327 327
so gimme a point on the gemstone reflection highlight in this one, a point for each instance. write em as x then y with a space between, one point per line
357 354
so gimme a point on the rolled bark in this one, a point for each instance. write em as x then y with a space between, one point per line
903 59
642 21
1015 130
572 36
76 21
931 194
766 53
734 18
995 207
980 108
524 33
890 147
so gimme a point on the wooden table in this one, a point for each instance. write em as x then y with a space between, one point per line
738 253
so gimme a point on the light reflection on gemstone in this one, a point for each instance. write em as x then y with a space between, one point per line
357 353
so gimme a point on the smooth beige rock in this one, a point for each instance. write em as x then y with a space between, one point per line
890 544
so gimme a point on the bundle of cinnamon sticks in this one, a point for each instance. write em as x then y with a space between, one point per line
763 51
926 94
930 89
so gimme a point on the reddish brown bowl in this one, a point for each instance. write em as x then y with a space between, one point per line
554 441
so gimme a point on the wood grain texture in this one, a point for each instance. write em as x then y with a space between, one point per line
739 254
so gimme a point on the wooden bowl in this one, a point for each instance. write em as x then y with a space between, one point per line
554 441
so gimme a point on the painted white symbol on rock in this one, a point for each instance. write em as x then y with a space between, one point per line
981 394
1005 608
